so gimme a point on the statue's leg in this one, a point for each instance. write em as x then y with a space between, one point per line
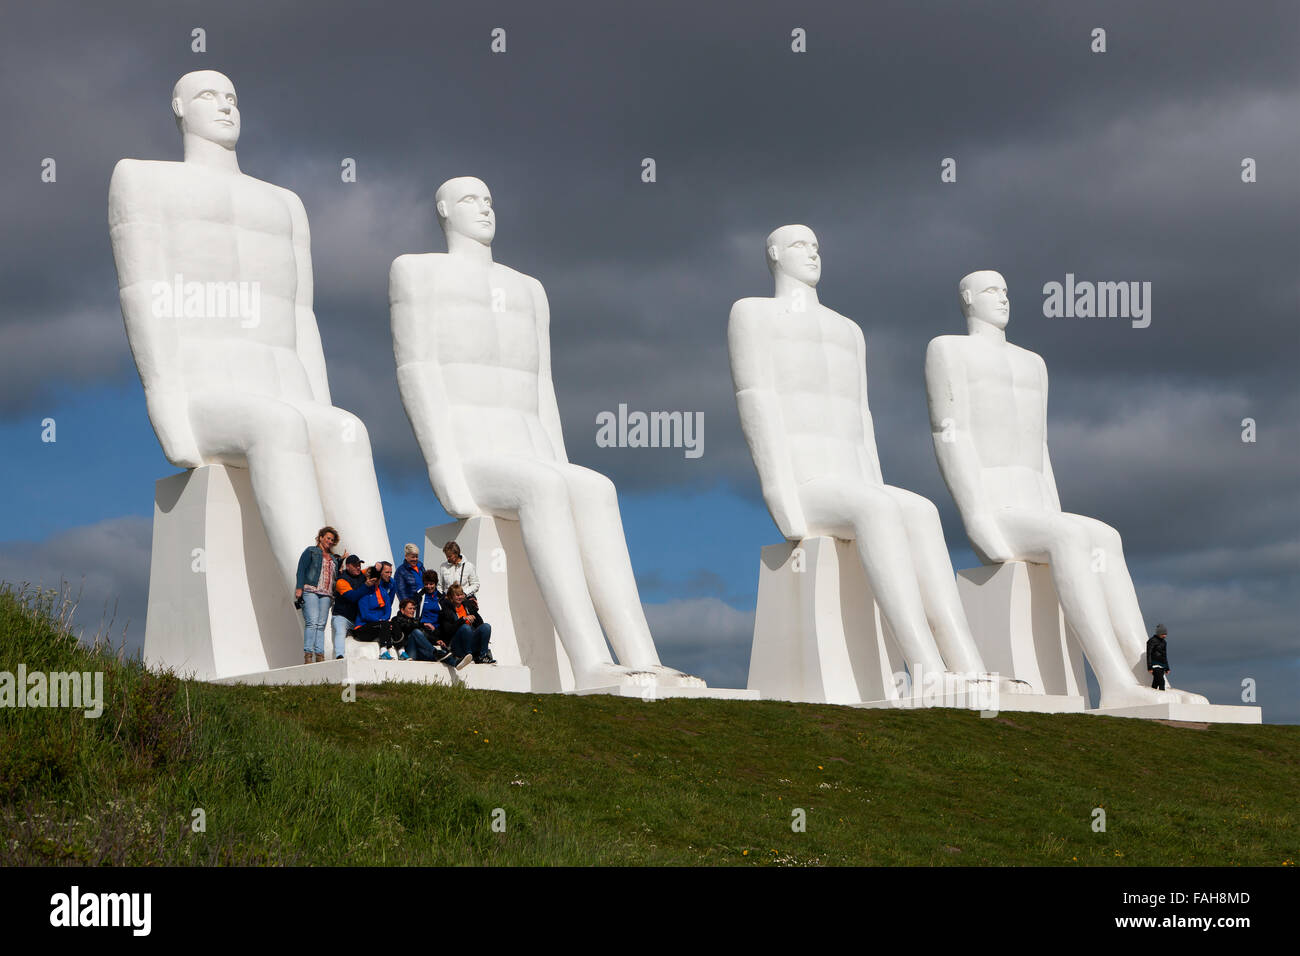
870 517
536 495
1066 545
1122 602
345 474
938 583
1107 557
270 439
608 567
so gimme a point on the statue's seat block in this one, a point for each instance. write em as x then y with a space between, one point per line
818 634
1016 620
522 631
217 605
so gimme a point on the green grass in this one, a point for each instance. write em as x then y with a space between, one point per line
412 775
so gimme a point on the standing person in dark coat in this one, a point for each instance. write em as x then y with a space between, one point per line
1158 657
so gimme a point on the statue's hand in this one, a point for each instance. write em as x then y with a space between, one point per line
985 535
169 414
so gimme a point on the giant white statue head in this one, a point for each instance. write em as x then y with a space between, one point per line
983 297
792 251
464 207
206 107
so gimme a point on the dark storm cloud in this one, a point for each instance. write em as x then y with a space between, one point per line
1118 166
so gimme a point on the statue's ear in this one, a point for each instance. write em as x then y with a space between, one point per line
772 254
176 107
965 296
442 208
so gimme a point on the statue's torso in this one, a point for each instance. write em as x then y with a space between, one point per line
478 322
218 228
817 373
1007 386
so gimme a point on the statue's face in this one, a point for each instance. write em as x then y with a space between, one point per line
208 107
797 254
987 294
466 208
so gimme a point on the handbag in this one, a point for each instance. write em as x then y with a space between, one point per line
471 602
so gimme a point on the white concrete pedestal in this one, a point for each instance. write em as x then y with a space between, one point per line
522 632
359 670
1195 713
217 604
1015 618
818 635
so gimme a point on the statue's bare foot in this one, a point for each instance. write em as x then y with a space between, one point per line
668 677
1187 697
1138 696
1009 685
609 675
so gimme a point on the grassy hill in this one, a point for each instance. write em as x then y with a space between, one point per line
413 775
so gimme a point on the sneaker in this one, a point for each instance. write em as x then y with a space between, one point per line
339 658
485 659
308 657
385 656
464 662
403 656
440 654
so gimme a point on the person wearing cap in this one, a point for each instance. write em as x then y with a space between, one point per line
1158 657
349 587
408 580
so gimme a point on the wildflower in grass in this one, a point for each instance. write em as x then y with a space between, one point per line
744 853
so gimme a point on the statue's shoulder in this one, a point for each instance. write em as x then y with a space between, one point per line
946 348
514 275
1024 355
754 310
131 174
288 195
414 270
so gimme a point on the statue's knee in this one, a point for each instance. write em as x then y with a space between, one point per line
546 489
279 427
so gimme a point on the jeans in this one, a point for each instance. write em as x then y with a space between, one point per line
471 640
315 607
1158 677
341 627
420 646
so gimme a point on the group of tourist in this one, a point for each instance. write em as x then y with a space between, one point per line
421 615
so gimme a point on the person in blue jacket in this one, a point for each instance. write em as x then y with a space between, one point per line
424 644
375 610
409 579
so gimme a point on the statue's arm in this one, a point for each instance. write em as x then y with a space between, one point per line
948 397
138 232
868 424
760 420
424 391
548 408
1048 474
307 333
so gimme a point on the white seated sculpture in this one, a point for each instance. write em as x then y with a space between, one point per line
799 371
988 417
471 338
223 385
